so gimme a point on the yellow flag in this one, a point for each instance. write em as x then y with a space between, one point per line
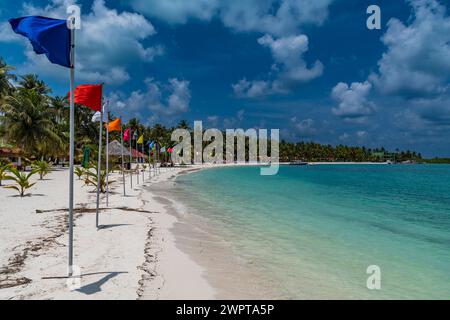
141 140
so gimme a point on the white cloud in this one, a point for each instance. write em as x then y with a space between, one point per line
106 45
235 121
290 68
344 137
362 134
166 101
304 128
417 60
277 17
288 54
353 103
212 120
177 11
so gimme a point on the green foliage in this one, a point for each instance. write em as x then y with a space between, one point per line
43 168
22 180
79 172
3 170
92 178
38 124
439 161
27 122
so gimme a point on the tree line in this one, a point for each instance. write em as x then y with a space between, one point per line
37 122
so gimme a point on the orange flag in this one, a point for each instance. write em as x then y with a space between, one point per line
115 125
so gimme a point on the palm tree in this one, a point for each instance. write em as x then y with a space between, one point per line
32 82
43 168
22 180
3 170
183 124
5 78
27 122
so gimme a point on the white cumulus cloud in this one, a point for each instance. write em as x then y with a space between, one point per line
290 68
417 60
353 103
108 42
166 101
277 17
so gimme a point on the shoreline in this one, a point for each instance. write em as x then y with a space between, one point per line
207 246
146 249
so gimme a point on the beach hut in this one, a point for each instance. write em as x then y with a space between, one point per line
115 149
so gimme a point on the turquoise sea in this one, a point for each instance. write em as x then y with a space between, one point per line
316 229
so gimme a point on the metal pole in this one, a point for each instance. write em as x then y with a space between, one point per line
149 163
99 168
72 145
107 165
143 162
131 160
123 165
137 159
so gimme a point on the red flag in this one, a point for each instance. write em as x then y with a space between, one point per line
126 135
89 95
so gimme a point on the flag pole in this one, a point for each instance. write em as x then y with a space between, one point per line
143 162
123 165
149 162
137 158
131 160
107 164
72 143
99 168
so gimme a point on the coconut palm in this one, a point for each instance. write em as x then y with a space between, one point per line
5 78
183 124
21 179
3 170
79 172
32 82
27 122
92 178
43 168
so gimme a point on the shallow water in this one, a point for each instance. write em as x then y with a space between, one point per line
314 230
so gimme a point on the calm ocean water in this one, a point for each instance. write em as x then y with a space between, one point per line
316 229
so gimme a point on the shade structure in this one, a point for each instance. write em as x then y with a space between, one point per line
115 149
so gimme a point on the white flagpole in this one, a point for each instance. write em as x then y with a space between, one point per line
137 159
131 160
143 162
99 168
72 143
107 165
149 162
123 164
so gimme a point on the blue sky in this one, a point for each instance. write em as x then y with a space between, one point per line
310 68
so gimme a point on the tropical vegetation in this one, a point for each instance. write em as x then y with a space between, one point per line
42 167
92 178
3 171
21 180
37 122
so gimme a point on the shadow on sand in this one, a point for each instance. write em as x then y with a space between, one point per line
95 287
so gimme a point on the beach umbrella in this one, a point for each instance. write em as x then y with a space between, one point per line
56 39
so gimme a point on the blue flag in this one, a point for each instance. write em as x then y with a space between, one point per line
48 36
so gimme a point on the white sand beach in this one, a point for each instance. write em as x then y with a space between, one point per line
133 256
